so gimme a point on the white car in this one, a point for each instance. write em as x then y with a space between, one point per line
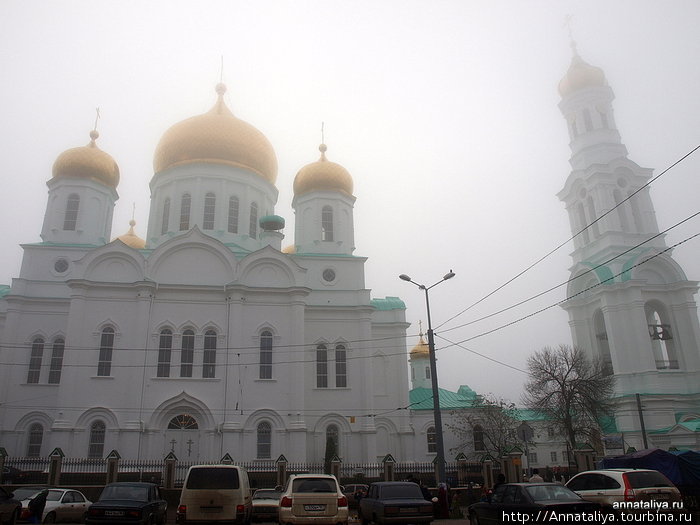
313 499
61 505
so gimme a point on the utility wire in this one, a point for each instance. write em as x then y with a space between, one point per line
519 274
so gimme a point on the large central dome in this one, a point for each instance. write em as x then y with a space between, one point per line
219 137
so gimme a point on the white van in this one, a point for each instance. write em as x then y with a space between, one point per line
215 493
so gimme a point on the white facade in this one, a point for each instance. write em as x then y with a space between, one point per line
205 338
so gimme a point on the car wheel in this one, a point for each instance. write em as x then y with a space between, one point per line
50 518
473 519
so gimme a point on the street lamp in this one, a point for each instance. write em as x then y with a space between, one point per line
440 445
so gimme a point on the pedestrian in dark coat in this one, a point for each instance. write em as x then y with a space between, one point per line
36 506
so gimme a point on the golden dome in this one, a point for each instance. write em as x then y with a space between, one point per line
87 162
322 175
421 349
291 249
219 137
579 76
131 239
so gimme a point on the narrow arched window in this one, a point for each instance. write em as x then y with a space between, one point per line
209 211
601 335
327 223
266 355
583 223
321 366
70 219
621 211
427 372
432 440
185 204
183 422
253 228
604 119
233 214
165 224
97 440
341 367
593 217
333 437
187 353
662 343
165 346
56 361
478 434
104 365
209 358
35 438
588 123
264 432
35 359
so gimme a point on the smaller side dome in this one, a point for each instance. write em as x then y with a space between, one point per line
579 76
421 349
87 162
131 239
322 175
290 250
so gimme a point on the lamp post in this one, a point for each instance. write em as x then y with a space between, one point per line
439 443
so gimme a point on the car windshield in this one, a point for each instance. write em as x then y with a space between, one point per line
647 478
26 493
550 492
266 494
213 478
313 485
127 492
401 491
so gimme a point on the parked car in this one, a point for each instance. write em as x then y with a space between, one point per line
313 499
613 487
13 475
9 507
128 503
395 502
61 505
534 501
353 491
215 494
266 504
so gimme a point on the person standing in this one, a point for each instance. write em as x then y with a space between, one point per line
36 506
535 478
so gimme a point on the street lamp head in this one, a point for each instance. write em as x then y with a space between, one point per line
404 277
449 275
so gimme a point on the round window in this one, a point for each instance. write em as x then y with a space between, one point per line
328 275
61 265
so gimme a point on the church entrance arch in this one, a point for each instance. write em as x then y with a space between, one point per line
182 437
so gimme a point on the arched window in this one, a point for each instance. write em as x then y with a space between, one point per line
70 219
604 119
209 211
601 335
165 346
266 355
36 436
209 358
264 440
341 367
327 223
233 214
582 222
593 215
478 434
621 211
587 120
321 367
432 440
97 440
183 422
253 228
333 437
185 205
56 361
35 359
165 224
661 336
427 372
413 374
187 353
104 365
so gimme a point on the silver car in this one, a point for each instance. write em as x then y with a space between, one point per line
61 505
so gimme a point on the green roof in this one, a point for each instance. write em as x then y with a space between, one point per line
692 425
526 414
388 303
422 399
4 290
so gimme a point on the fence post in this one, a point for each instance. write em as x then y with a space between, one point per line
487 472
335 467
170 464
388 463
113 466
461 469
55 463
281 464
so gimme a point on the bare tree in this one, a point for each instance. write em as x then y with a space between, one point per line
489 427
573 391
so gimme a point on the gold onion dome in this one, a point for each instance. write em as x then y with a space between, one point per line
290 250
421 349
217 137
87 162
322 175
579 76
131 239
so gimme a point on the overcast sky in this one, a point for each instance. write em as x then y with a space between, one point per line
444 112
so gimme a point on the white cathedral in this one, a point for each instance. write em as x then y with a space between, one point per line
208 338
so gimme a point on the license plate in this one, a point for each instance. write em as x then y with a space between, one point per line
406 510
211 510
114 513
314 508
